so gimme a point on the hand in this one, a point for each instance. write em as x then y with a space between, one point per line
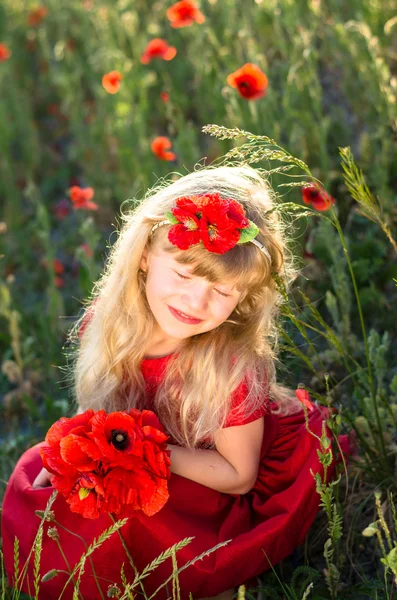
42 479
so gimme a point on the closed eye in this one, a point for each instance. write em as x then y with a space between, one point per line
218 291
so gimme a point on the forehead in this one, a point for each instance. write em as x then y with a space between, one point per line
180 259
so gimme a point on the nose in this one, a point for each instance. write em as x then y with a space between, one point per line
195 299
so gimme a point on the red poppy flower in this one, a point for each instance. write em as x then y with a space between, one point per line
58 266
36 16
250 81
215 221
5 52
115 462
81 198
315 195
158 48
160 148
87 496
304 398
184 14
111 81
164 96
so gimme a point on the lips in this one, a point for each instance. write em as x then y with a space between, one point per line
181 317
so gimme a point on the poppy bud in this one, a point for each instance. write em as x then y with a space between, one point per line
113 591
371 530
49 575
52 533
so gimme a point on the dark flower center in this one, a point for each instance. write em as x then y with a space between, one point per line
244 84
119 439
314 193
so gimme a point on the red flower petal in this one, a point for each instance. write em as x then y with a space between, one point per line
5 52
216 239
159 147
317 197
184 14
164 96
183 237
37 15
158 48
250 81
72 452
81 198
111 81
304 398
66 425
236 212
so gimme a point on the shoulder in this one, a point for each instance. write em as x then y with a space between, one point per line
245 409
87 316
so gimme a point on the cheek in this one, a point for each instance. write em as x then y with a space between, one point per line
224 311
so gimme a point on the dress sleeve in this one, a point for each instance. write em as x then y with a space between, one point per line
237 415
87 318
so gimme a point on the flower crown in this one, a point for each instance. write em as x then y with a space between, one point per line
220 224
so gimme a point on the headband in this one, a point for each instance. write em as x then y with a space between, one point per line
218 223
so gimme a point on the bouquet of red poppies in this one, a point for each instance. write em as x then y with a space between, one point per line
109 463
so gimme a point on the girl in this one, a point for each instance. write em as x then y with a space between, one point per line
184 323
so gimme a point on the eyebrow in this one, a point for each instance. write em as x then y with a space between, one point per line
189 269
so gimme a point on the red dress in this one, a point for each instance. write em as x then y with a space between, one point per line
273 518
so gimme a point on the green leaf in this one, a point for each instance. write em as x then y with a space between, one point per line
171 218
83 493
249 233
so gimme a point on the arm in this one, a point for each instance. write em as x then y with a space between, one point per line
232 468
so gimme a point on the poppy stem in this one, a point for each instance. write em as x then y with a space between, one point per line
89 557
129 556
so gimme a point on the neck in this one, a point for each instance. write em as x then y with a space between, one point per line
161 345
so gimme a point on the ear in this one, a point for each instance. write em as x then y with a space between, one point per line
144 259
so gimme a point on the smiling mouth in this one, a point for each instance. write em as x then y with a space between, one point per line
184 315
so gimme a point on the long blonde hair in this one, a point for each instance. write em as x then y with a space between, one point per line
194 398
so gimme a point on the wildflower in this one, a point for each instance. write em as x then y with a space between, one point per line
215 221
160 147
116 462
58 267
184 14
3 227
250 81
5 52
315 195
36 16
304 398
165 96
53 533
81 198
111 81
158 48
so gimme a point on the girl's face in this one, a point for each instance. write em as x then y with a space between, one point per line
171 290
